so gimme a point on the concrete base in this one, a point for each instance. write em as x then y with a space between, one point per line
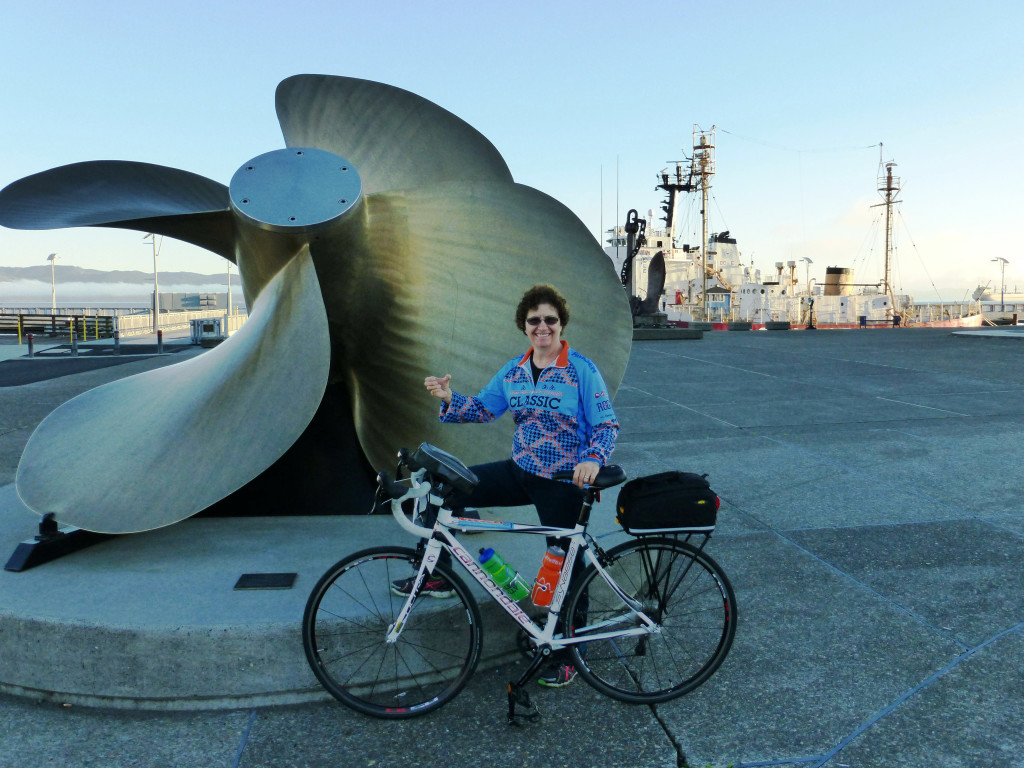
653 334
152 620
653 320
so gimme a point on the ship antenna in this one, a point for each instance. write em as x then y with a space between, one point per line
889 186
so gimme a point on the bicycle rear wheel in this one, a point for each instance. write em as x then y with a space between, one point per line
347 619
684 591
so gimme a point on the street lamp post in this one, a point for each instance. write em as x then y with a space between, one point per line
1002 281
156 284
52 258
807 273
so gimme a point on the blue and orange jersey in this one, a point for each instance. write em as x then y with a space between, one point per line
564 418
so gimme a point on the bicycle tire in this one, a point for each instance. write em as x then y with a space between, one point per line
346 621
683 590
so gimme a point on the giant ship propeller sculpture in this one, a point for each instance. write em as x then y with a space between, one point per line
386 241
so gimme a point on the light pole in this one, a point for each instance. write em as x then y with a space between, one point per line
156 284
52 258
1002 280
807 273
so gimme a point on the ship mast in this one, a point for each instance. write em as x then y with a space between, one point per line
704 168
889 186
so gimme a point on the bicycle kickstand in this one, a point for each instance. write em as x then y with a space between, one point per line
518 695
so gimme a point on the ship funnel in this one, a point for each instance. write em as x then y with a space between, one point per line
838 281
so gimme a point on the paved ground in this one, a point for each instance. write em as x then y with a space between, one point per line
872 526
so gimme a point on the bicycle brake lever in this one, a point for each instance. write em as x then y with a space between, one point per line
392 488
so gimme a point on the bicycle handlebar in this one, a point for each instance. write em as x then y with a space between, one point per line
398 493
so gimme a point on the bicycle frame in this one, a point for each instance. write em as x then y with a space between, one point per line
441 537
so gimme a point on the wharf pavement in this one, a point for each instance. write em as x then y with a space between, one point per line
872 525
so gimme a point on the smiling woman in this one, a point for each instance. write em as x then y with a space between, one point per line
564 421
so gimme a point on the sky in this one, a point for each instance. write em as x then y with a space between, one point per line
587 101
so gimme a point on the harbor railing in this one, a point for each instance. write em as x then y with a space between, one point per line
139 325
102 324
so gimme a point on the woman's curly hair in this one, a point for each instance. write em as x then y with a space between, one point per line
542 294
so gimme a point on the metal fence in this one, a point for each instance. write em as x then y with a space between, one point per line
101 324
139 325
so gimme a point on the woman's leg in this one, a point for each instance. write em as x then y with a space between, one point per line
558 504
499 486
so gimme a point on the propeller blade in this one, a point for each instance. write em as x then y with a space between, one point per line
394 138
435 290
128 195
157 447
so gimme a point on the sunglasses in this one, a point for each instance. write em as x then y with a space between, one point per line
548 320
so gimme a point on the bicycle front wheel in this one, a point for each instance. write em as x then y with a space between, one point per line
684 591
346 622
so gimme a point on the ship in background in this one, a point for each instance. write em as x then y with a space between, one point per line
708 285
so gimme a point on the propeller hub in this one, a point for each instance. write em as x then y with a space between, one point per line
295 190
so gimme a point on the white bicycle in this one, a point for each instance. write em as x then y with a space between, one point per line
660 614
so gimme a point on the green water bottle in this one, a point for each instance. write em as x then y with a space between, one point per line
503 574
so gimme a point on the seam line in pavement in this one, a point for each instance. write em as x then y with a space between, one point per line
915 690
868 588
929 407
680 405
245 739
998 525
820 761
855 469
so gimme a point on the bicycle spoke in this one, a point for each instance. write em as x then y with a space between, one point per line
345 630
681 591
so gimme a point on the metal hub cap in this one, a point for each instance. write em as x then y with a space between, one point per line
295 189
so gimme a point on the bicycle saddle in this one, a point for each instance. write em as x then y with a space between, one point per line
607 477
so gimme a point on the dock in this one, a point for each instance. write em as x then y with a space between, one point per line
872 525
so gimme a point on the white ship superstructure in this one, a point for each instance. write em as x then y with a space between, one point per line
709 282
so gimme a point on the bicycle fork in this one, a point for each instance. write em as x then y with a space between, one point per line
431 553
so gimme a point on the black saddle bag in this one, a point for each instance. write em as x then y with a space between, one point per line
669 502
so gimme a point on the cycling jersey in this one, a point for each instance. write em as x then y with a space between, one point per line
564 418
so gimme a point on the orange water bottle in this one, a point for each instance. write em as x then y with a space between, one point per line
547 576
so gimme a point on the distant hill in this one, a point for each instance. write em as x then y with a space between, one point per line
67 274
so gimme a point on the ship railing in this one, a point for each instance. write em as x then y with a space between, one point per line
946 311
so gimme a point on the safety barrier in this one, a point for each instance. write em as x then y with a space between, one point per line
83 327
86 326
